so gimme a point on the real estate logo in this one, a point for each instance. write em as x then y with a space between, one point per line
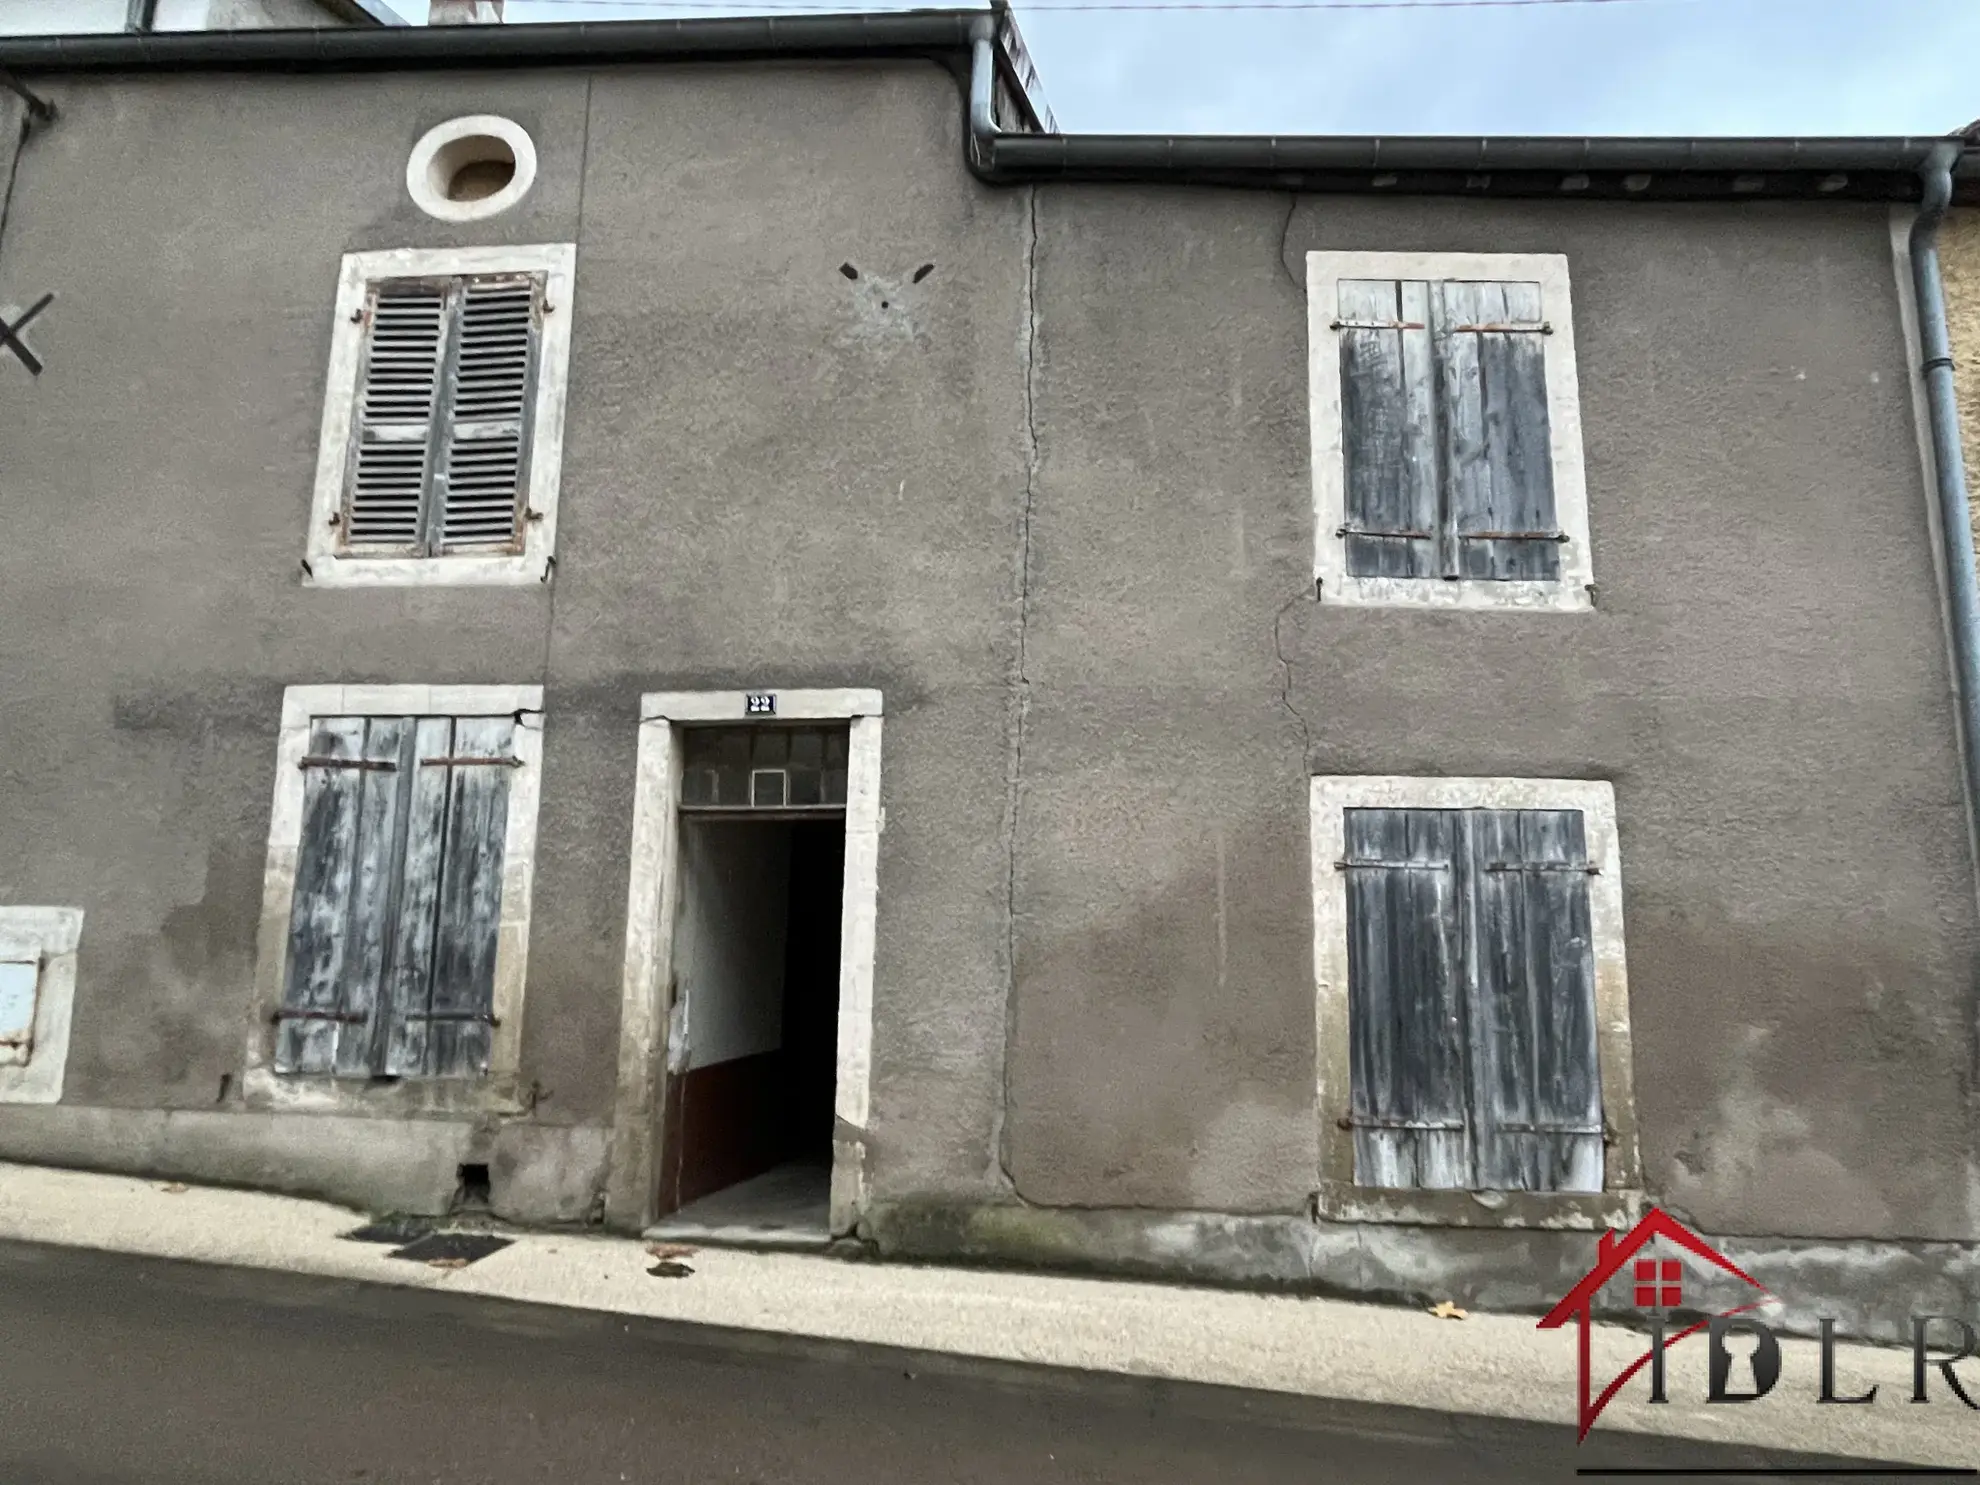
1658 1287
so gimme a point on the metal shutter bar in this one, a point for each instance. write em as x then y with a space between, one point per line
1377 325
1541 327
1593 871
1383 535
371 765
470 762
348 1018
1392 866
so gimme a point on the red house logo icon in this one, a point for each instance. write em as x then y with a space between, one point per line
1658 1284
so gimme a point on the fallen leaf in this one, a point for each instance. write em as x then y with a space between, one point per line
669 1250
446 1263
174 1188
1445 1310
670 1270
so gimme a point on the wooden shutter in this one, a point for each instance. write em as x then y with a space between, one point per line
487 436
405 339
1537 1090
1492 407
1471 1001
1388 429
397 908
1445 432
440 440
444 993
1405 1000
20 983
346 870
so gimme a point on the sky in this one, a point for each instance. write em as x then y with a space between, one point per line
1684 67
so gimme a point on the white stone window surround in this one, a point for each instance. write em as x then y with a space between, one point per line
426 161
1573 591
651 898
1337 1196
497 1092
326 566
48 937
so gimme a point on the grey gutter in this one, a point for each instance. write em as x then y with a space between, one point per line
1862 169
330 48
1962 572
1838 168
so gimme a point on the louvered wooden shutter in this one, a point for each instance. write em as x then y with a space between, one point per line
405 348
1471 1001
440 446
398 895
1406 1000
487 443
1445 431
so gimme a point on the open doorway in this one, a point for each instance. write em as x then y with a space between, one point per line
747 1121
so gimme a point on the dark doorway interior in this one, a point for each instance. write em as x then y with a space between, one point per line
747 1136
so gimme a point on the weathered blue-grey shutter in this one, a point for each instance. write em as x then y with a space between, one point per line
1405 999
444 986
402 1030
1537 1094
20 983
1388 429
346 869
1497 449
399 380
490 381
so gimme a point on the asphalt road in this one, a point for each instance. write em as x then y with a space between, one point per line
129 1371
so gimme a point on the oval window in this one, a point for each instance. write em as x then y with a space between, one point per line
471 168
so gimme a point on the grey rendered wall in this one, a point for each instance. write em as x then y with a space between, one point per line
766 482
776 475
1764 680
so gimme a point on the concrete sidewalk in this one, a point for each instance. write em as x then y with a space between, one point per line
1490 1365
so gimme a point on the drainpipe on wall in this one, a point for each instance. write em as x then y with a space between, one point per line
1948 458
982 131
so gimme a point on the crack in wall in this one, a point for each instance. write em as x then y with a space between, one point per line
1285 240
14 169
1278 648
1020 682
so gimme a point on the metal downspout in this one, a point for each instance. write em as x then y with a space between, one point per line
980 149
1948 459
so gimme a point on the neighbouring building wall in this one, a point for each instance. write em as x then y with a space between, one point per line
1763 680
78 17
61 17
1052 497
1959 267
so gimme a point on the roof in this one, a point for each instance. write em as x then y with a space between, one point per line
1014 137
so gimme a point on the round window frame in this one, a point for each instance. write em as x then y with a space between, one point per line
419 168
